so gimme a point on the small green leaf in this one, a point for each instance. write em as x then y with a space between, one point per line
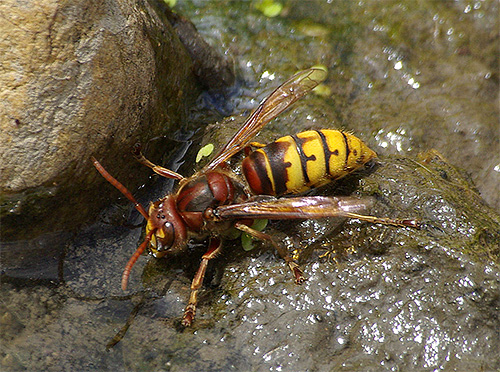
259 225
247 240
204 151
269 8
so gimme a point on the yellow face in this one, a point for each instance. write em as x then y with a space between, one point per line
163 237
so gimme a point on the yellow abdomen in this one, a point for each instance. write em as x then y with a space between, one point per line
293 164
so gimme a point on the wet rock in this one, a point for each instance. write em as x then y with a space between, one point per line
431 82
377 297
214 71
425 299
11 326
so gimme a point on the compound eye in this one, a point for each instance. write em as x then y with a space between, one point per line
167 240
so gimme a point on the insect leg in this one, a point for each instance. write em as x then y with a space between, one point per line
156 168
294 267
256 144
248 148
213 249
385 221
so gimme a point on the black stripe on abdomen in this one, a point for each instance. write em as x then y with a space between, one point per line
276 155
303 157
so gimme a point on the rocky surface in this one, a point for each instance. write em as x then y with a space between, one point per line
81 79
376 298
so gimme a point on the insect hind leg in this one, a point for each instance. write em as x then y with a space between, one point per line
385 221
297 273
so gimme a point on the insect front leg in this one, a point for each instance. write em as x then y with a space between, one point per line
156 168
214 248
294 267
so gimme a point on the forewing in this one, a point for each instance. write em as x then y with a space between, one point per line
287 93
294 208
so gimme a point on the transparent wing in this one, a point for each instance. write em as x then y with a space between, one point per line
295 208
309 207
287 93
